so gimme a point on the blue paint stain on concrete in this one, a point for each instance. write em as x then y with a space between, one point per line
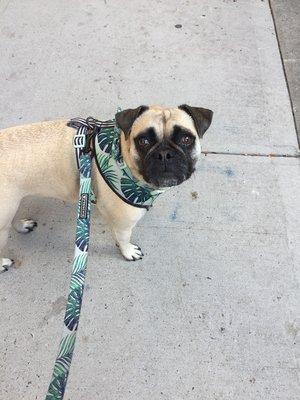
173 215
228 171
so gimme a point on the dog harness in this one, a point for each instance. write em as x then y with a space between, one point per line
106 148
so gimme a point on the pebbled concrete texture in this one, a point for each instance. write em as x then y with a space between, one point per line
213 306
212 311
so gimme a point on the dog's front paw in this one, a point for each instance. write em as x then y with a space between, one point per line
5 263
25 225
131 252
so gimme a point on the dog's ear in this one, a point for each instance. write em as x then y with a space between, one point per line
201 116
126 118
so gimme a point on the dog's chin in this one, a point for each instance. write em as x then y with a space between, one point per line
165 181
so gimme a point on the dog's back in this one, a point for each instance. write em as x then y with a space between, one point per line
36 155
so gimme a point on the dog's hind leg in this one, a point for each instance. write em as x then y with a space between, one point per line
24 225
5 263
9 203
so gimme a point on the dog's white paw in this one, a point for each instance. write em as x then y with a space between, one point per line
25 225
5 263
131 252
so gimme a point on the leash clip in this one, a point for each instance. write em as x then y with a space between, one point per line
91 129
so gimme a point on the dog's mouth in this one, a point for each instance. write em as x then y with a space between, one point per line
165 180
161 171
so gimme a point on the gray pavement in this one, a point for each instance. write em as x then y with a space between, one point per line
287 21
212 312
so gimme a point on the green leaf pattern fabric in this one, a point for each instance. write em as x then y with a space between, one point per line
62 365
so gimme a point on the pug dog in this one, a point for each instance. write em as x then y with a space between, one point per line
159 145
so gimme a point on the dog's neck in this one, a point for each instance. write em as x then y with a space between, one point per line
119 172
125 150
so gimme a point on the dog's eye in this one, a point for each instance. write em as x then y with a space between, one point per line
186 140
143 142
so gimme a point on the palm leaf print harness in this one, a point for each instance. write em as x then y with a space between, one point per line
106 149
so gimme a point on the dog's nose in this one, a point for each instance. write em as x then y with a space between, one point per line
163 155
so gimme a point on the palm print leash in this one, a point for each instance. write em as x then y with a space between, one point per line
102 140
62 365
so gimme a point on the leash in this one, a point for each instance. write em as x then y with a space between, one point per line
63 361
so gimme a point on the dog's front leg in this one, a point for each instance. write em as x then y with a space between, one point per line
122 219
131 252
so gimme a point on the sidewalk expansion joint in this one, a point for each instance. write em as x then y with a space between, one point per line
271 155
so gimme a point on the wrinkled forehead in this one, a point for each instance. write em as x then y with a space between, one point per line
163 121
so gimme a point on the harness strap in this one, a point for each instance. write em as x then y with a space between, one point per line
86 129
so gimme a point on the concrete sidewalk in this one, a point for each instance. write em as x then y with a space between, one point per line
212 311
286 15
